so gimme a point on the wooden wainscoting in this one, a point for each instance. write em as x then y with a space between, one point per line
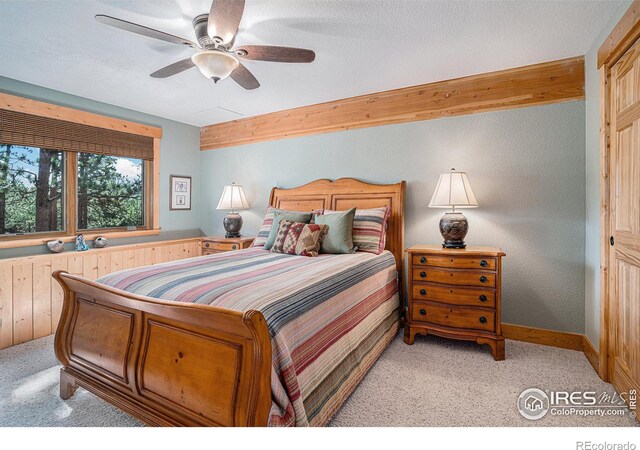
31 300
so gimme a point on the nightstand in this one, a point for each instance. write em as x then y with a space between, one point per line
455 293
217 244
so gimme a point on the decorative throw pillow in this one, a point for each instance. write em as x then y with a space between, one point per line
267 223
278 216
369 228
296 238
339 238
265 228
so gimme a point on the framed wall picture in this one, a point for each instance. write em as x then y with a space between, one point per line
180 193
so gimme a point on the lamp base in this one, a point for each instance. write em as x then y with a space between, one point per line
453 228
232 223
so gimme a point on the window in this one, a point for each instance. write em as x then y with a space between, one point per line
65 171
31 190
110 192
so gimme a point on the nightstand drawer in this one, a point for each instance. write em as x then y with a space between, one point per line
220 246
457 277
210 252
454 295
454 262
469 318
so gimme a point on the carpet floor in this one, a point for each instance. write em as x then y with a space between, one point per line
435 382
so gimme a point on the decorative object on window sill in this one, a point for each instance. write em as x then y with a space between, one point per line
180 193
100 242
81 245
232 198
56 246
453 191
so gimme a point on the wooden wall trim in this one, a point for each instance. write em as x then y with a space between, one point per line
625 33
552 338
31 300
605 76
154 216
38 108
592 355
560 339
539 84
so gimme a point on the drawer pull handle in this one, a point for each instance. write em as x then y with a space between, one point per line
423 312
423 292
423 274
483 319
233 247
206 245
483 279
423 260
483 263
483 298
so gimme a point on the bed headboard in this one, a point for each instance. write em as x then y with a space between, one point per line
347 193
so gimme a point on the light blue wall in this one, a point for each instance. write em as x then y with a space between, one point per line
526 167
592 148
179 154
529 168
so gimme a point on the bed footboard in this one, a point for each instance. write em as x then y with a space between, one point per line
166 363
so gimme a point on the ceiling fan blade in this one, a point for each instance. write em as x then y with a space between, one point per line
244 78
173 69
224 19
144 31
276 54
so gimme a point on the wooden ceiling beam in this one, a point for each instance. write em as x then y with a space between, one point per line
539 84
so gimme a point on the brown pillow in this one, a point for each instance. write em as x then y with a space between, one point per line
296 238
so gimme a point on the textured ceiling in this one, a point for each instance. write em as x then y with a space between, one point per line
361 46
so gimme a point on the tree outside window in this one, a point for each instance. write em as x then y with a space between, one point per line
31 190
110 191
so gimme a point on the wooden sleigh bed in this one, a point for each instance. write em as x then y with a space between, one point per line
132 350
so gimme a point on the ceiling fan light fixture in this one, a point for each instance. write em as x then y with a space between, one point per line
215 64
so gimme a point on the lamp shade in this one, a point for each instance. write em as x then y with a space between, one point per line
453 190
233 198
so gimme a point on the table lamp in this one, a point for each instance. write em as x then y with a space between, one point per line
453 191
232 198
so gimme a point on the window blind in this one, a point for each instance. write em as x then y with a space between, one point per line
19 128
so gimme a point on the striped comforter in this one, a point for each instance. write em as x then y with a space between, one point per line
330 317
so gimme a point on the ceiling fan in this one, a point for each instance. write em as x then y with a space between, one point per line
216 58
